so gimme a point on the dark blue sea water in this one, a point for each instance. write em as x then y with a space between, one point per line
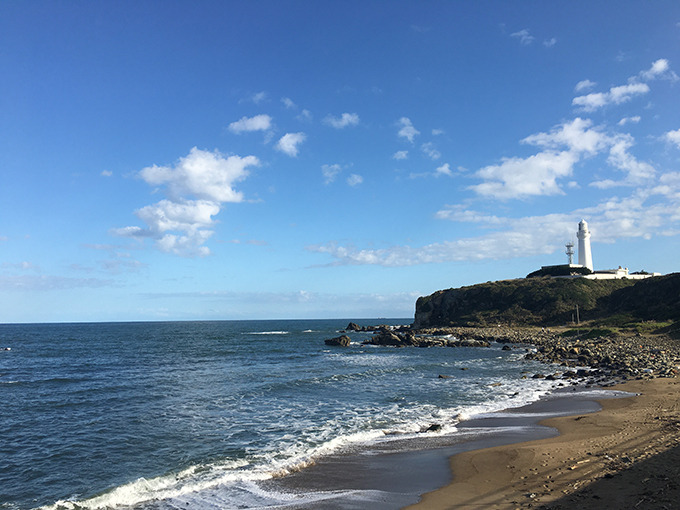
188 414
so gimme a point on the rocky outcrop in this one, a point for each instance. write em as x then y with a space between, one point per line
411 339
352 326
551 301
340 341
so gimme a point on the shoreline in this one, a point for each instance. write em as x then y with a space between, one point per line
575 459
398 472
627 455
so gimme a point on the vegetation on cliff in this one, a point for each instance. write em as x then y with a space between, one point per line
554 301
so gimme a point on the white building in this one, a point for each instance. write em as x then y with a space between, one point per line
585 256
585 261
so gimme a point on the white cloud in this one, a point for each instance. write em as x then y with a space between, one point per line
616 95
400 155
346 119
202 174
638 172
288 144
407 130
106 173
191 219
584 85
288 102
644 214
549 43
629 120
673 137
524 177
430 150
181 225
659 69
185 215
330 172
564 146
577 136
437 132
257 123
354 180
190 244
524 37
445 169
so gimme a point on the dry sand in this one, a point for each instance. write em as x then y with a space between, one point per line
625 456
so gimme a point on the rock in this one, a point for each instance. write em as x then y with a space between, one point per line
386 338
353 327
340 341
435 427
441 376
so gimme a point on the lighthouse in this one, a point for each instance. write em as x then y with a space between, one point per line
585 256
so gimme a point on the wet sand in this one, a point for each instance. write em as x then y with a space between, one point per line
626 456
396 473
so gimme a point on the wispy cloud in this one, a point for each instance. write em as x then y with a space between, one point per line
288 102
524 37
399 155
354 180
636 86
407 130
246 124
644 214
584 85
615 95
330 172
629 120
345 120
431 151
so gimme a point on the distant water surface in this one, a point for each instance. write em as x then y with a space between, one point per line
171 414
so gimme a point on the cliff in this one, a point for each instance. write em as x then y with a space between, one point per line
551 301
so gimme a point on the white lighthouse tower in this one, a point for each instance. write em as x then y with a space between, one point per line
585 256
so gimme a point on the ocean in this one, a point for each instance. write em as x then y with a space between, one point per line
202 414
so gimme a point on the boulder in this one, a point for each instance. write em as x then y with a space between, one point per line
340 341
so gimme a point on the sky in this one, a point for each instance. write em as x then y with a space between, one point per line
224 160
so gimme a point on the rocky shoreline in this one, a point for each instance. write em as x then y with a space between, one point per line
591 355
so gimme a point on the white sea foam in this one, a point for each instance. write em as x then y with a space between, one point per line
268 333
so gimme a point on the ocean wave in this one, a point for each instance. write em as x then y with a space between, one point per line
268 333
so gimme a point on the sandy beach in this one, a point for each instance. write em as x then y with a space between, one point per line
625 456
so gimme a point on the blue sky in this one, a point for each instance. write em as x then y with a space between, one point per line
303 159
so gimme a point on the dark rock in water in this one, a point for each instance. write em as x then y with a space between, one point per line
340 341
353 327
506 348
435 427
442 376
387 338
